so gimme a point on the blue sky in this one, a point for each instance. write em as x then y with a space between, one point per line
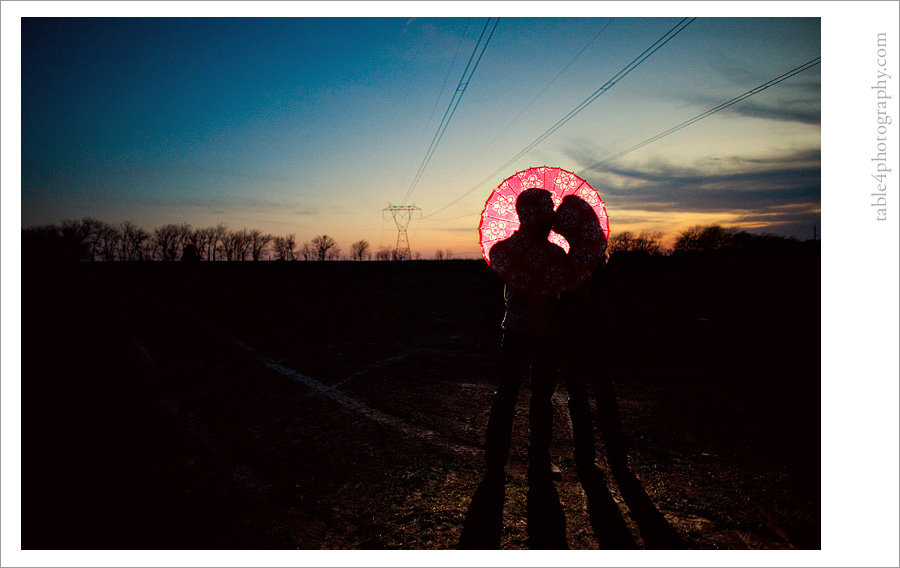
314 125
176 155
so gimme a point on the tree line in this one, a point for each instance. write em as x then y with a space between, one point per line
700 239
90 239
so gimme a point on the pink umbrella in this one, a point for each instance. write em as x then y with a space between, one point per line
499 219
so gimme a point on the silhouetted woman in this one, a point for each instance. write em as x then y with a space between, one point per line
584 319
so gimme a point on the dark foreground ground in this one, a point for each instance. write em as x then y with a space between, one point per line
343 406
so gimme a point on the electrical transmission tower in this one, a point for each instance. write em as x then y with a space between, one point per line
402 215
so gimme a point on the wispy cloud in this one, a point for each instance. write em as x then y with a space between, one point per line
804 112
738 183
797 99
777 192
797 213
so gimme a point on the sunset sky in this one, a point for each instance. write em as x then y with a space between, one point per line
314 125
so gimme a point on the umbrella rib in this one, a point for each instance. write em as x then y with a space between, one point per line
574 191
505 220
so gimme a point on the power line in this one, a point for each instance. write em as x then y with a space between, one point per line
438 99
723 106
547 85
605 87
678 28
710 112
454 102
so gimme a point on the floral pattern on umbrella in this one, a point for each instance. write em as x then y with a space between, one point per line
499 221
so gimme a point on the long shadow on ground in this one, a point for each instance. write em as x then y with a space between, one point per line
657 533
484 519
546 520
609 527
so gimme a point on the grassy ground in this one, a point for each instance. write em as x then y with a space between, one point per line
343 406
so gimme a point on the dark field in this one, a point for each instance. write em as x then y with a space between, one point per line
343 405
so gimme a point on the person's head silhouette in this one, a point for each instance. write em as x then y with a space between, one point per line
578 223
534 207
527 260
573 217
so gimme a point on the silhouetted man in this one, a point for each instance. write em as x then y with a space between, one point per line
533 268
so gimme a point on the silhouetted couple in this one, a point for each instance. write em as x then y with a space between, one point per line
551 294
556 324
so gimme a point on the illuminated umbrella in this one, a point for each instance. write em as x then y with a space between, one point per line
499 220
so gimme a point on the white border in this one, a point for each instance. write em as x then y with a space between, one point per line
859 272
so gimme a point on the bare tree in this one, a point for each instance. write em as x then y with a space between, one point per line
243 244
184 235
284 247
170 239
142 244
74 235
228 245
166 242
92 239
384 253
278 247
197 239
126 228
105 241
647 242
290 242
93 230
136 243
703 238
258 242
650 242
206 248
236 244
307 252
325 247
359 249
86 229
85 239
214 241
622 241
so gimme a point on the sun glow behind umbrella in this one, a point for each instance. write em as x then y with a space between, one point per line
499 219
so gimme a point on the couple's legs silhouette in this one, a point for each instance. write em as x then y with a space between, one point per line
484 519
583 422
519 352
546 521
